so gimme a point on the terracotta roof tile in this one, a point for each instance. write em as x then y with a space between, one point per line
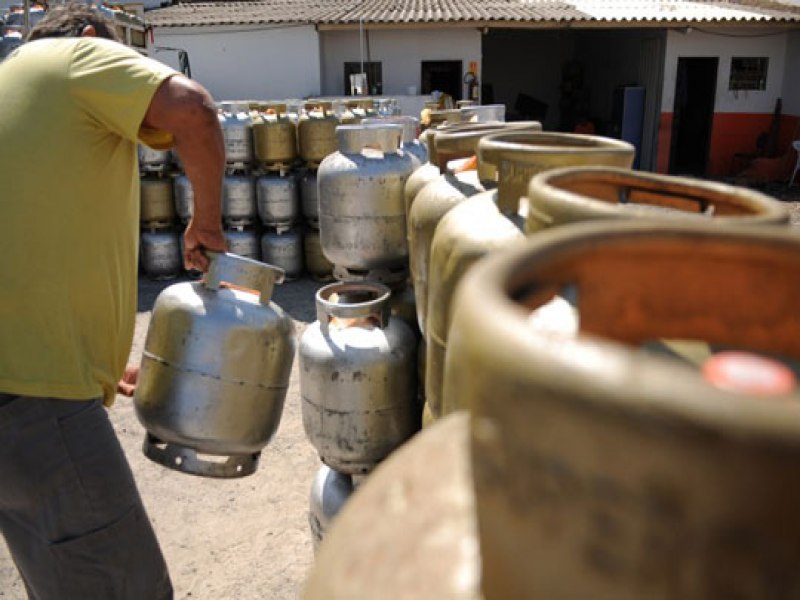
344 12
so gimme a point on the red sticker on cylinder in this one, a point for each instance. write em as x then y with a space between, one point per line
749 374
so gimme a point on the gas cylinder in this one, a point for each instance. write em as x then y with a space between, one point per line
236 124
215 370
545 150
410 143
277 200
243 240
362 108
344 114
455 147
274 138
411 528
160 252
440 195
329 492
238 199
319 267
591 426
562 196
151 160
483 227
357 377
309 203
361 206
316 133
157 205
445 117
283 247
484 113
471 230
184 198
403 306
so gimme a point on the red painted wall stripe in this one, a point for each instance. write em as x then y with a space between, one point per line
736 133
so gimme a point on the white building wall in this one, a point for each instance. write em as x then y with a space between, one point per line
791 79
238 63
399 51
726 44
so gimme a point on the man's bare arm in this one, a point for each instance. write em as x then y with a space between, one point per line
185 109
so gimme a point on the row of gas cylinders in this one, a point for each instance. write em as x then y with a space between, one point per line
274 200
585 466
276 137
294 250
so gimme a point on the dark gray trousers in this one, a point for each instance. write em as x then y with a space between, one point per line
69 508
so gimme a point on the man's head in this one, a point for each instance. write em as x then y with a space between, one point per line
74 20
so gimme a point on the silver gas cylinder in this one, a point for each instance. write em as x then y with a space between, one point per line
411 144
236 125
160 252
215 370
357 377
361 202
157 205
277 200
238 199
330 490
184 198
309 203
151 160
283 248
243 240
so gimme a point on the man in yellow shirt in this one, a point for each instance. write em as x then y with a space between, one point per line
73 105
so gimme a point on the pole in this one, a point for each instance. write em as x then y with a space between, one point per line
27 22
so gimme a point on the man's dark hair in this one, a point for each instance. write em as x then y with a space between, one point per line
69 20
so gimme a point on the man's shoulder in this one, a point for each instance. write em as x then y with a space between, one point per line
102 46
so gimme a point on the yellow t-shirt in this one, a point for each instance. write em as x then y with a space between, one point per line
70 112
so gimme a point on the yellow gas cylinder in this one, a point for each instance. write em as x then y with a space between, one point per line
563 196
441 194
492 221
274 137
316 132
157 201
602 470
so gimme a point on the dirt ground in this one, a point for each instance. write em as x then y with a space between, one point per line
242 539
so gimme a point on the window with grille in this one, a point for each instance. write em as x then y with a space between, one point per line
748 73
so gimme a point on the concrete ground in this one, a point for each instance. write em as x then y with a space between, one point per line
243 539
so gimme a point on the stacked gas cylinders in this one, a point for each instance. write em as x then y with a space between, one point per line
160 255
358 374
269 194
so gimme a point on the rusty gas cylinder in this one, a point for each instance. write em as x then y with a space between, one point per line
625 473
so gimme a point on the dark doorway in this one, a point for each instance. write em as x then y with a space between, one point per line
693 115
442 75
374 71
